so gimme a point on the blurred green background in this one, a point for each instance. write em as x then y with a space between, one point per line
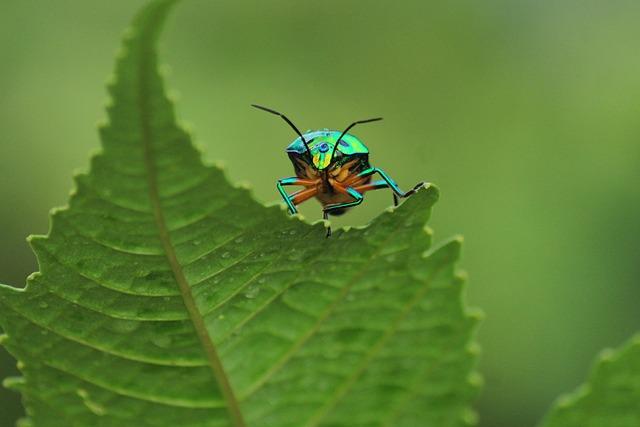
526 114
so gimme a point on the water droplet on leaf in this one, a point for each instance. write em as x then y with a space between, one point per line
162 341
252 292
124 326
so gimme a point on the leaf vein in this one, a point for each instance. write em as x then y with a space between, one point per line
374 350
253 388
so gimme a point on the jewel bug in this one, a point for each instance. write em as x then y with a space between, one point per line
333 167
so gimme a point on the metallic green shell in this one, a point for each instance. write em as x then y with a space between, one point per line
321 143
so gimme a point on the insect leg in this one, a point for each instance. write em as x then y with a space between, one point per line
292 181
302 196
357 199
376 185
325 216
397 192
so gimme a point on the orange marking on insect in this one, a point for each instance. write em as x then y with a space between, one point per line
367 187
355 180
307 182
338 186
303 195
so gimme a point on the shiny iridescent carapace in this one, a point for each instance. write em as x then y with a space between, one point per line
332 166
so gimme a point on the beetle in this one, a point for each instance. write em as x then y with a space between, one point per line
334 168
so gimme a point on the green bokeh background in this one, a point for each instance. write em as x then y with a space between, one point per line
525 113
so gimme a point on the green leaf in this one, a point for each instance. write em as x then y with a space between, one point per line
168 297
611 396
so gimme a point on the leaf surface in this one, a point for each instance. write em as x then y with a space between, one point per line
167 296
610 397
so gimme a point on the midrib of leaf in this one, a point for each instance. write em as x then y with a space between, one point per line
145 68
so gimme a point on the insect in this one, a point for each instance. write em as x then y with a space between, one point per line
333 167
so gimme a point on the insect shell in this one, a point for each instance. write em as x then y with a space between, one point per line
333 167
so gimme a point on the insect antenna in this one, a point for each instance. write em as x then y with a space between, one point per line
289 122
347 130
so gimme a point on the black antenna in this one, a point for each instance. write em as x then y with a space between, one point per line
347 130
289 122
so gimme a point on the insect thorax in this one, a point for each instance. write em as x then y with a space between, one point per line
325 146
341 167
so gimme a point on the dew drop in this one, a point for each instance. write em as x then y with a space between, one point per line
295 256
252 292
43 304
221 317
391 258
124 326
162 341
196 242
292 232
239 240
226 254
262 280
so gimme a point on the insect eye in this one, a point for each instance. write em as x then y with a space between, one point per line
324 147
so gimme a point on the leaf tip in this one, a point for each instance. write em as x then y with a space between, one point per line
476 383
33 238
461 276
36 242
607 355
450 248
13 383
474 349
469 417
476 314
244 185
